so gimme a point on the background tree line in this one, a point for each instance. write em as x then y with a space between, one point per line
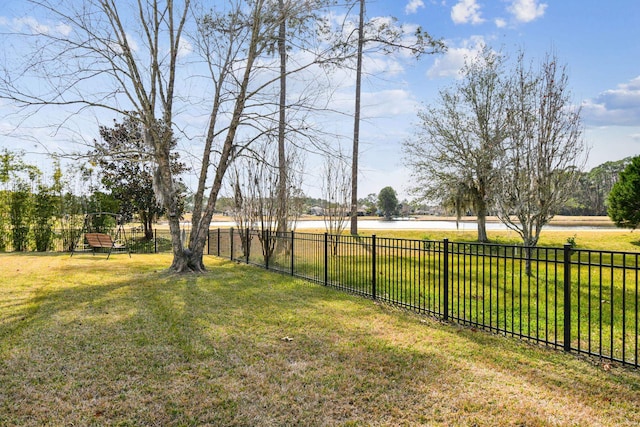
593 189
34 207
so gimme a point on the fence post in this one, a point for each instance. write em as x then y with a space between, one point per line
445 279
292 261
266 248
373 266
208 241
326 258
247 244
218 241
231 243
155 241
567 297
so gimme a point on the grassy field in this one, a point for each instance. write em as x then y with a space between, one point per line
86 341
602 239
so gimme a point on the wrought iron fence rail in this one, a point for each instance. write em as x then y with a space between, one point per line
577 300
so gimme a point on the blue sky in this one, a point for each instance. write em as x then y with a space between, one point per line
599 42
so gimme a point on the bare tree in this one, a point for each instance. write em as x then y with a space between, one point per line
544 151
336 185
126 57
257 196
299 25
455 151
241 37
256 202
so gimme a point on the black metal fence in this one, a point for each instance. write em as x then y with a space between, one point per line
577 300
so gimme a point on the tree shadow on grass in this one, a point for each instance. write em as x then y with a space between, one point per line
242 346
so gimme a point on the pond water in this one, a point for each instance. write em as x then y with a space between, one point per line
409 224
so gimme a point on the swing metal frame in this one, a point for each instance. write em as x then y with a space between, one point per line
96 240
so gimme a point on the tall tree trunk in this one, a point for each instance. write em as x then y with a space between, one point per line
482 221
192 258
167 194
356 126
147 223
528 243
482 227
282 208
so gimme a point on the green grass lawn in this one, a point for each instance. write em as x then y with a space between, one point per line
594 239
86 341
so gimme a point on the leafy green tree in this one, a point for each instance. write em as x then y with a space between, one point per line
6 159
370 202
44 210
388 202
590 197
16 201
97 202
624 199
126 169
20 208
47 209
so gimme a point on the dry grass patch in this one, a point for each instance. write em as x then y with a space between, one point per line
85 341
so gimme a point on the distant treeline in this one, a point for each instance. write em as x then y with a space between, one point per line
594 188
590 198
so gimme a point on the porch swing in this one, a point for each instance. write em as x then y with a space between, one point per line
97 238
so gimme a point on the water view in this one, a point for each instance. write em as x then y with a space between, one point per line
415 224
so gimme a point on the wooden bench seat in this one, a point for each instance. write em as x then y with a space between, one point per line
99 240
102 240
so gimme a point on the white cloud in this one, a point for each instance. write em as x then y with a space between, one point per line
382 64
133 43
63 29
413 6
32 24
185 48
387 103
526 10
466 11
500 23
611 143
450 64
620 106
